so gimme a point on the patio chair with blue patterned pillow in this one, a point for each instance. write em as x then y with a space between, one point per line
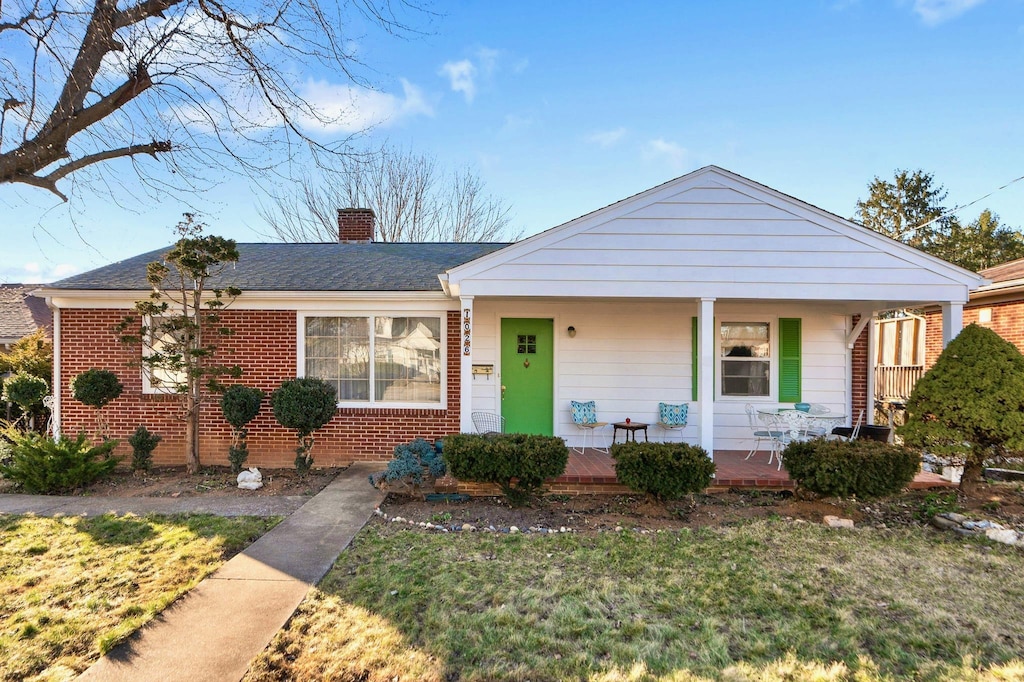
673 417
584 416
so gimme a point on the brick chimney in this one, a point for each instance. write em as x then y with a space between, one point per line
355 225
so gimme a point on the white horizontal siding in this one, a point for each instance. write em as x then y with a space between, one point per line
630 356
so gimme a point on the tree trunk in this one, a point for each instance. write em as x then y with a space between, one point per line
192 437
971 476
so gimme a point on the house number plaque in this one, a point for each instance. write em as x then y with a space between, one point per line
467 328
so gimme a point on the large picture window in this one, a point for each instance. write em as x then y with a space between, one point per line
746 360
399 362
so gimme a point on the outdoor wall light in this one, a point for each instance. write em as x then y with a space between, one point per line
572 331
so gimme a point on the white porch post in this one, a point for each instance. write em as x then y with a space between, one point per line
952 321
706 373
466 368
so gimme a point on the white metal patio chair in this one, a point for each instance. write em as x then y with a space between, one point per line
761 431
488 422
584 416
673 417
846 433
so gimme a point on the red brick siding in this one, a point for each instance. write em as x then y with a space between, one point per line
859 373
1007 321
264 345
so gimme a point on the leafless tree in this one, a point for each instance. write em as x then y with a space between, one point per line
414 201
200 84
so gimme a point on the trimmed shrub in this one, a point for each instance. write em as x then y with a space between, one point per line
41 465
25 390
96 387
518 463
240 405
970 405
143 443
666 471
414 463
304 405
861 468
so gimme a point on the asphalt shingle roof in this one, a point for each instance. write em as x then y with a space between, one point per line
1005 272
21 314
308 267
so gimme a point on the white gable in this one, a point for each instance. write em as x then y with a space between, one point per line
713 234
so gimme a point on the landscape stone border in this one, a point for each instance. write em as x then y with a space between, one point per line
961 525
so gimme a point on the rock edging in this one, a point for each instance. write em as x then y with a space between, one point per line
961 525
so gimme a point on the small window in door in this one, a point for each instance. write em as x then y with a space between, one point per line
526 344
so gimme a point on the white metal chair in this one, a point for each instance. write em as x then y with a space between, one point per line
761 431
488 422
584 416
846 433
673 417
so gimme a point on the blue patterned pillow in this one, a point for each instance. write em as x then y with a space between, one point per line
584 413
673 415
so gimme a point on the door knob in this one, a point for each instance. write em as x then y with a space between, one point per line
502 391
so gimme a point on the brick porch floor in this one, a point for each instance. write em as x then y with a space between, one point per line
594 468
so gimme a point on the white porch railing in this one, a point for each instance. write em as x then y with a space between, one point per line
896 381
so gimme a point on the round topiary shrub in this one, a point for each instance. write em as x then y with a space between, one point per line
860 468
240 405
25 390
666 471
96 387
304 405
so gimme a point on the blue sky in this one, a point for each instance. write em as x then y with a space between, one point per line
566 107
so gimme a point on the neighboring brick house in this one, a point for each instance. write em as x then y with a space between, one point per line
998 306
709 289
21 313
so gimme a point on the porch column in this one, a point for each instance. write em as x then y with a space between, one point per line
466 365
706 373
952 321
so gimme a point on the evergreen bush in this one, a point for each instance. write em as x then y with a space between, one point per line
860 468
143 443
666 471
240 405
414 463
96 387
304 405
25 390
518 463
41 465
970 405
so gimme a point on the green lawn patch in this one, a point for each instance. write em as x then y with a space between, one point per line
72 587
770 600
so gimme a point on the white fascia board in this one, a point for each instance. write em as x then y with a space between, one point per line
271 300
1010 286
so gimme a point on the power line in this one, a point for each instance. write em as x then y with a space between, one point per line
959 208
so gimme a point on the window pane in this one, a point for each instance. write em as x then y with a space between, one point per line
338 351
745 377
167 340
745 340
407 359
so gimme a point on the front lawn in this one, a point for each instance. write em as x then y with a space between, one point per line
763 600
71 587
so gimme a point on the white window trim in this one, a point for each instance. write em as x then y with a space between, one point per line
773 358
147 384
300 345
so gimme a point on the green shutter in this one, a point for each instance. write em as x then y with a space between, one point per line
789 360
695 359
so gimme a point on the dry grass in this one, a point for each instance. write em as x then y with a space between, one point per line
71 588
763 601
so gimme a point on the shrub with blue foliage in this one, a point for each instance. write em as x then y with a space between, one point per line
414 464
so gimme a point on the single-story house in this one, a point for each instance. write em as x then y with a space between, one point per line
998 305
710 289
21 313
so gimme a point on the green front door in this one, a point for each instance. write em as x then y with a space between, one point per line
527 375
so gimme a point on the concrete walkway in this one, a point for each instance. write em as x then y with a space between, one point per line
214 631
53 505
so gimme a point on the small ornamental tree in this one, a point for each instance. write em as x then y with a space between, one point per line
970 405
180 322
25 391
96 388
143 444
32 354
304 405
240 405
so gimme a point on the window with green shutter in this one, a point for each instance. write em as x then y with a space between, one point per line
790 371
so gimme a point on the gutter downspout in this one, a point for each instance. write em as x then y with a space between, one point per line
55 416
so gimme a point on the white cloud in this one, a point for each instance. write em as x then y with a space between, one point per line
670 152
462 77
350 109
33 273
607 138
934 12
